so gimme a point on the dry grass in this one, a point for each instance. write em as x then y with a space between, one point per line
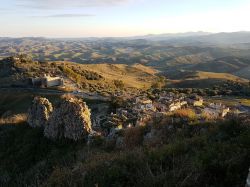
206 116
201 79
230 101
15 119
185 113
66 88
136 76
225 76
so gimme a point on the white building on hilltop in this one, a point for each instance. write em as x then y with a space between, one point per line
47 81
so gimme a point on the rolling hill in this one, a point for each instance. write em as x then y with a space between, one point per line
232 65
15 71
201 79
134 60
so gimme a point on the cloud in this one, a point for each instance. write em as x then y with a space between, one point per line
60 4
66 16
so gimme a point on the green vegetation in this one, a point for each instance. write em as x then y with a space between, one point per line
119 84
187 114
159 83
224 88
71 74
200 155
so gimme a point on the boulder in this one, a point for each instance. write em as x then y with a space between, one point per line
71 119
39 112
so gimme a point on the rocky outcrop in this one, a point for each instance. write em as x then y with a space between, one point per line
71 119
39 112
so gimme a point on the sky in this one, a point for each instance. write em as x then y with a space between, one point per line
118 18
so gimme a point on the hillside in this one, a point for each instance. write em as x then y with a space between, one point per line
223 65
109 78
201 79
137 76
16 71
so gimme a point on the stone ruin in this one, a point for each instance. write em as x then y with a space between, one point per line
70 119
39 112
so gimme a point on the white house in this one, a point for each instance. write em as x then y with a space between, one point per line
216 110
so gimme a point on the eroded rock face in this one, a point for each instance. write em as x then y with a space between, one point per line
39 112
71 119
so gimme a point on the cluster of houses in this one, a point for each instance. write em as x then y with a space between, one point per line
216 110
141 109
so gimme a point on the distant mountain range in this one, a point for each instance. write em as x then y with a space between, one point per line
200 36
171 35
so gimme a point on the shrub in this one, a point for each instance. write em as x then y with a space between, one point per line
119 84
186 114
133 136
15 119
216 155
61 177
206 116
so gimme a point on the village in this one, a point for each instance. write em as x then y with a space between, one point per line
141 111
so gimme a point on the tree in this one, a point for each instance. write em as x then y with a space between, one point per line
159 83
119 84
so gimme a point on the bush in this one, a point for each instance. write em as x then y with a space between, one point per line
186 114
215 154
119 84
207 159
16 119
133 137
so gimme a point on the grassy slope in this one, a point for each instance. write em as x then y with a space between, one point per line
137 76
231 65
230 101
187 157
223 76
201 79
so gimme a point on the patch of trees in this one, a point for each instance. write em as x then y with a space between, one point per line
80 75
229 88
159 83
89 75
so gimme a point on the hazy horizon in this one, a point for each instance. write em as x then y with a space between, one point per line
192 33
120 18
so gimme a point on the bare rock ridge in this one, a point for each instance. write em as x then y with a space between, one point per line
71 119
39 112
